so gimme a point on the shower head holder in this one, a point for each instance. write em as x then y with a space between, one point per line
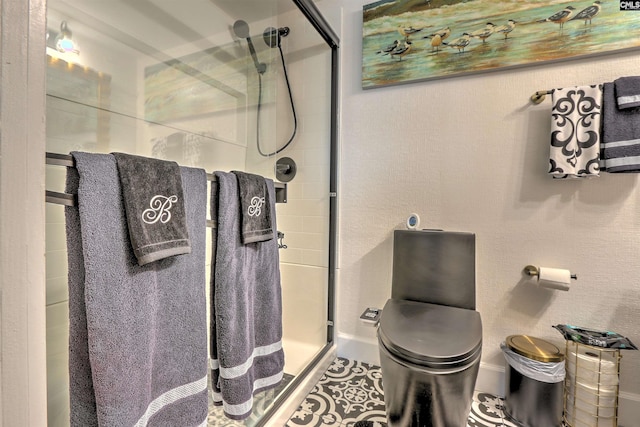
273 36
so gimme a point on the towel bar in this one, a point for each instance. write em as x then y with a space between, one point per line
65 199
540 95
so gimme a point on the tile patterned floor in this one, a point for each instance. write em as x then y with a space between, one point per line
351 391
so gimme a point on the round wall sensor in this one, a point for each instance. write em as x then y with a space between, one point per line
413 221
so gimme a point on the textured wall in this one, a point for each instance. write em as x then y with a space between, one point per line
470 154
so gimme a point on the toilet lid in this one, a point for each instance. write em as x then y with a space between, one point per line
430 334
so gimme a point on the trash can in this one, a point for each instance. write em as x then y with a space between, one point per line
534 381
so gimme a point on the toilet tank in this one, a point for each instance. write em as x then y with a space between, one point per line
434 266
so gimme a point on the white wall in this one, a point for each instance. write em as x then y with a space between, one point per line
470 154
22 297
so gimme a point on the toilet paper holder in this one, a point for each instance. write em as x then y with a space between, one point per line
532 270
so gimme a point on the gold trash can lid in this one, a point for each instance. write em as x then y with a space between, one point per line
534 348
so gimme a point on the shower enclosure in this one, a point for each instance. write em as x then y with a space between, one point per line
217 84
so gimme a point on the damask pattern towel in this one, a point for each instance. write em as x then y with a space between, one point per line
575 132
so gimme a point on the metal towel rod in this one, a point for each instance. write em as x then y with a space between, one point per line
540 95
66 199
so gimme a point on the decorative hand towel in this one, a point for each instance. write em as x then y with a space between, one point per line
575 132
256 208
627 92
138 338
620 135
246 309
154 206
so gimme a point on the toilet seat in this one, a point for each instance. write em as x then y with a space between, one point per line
431 335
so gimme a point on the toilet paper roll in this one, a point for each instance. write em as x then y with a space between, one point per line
554 278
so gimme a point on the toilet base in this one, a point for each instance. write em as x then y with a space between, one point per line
418 397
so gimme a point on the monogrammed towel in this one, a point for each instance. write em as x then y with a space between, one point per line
256 208
138 334
154 206
246 306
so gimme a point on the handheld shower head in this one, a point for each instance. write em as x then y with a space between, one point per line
273 36
241 30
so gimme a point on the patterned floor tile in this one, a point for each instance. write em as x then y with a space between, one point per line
304 418
351 392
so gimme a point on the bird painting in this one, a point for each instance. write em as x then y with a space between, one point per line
560 17
506 29
587 14
412 40
484 33
460 43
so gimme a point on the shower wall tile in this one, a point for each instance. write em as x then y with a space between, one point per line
290 223
304 207
290 255
294 191
54 214
315 224
303 303
316 190
317 258
55 235
316 156
56 264
57 290
314 241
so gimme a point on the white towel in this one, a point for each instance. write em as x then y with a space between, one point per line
575 132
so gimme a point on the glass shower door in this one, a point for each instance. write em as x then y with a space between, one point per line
174 80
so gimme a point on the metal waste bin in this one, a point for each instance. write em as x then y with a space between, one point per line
534 381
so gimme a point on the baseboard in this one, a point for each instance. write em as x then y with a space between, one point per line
356 348
490 377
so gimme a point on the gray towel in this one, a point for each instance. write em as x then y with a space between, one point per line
575 132
154 206
246 339
627 92
620 135
137 348
256 208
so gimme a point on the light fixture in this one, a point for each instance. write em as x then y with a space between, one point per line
64 41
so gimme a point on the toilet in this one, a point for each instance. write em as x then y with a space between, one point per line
429 333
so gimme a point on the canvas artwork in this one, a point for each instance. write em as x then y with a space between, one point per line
413 40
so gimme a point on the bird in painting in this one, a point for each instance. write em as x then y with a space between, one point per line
407 31
443 33
506 29
484 33
401 50
560 17
588 13
460 43
438 37
389 48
